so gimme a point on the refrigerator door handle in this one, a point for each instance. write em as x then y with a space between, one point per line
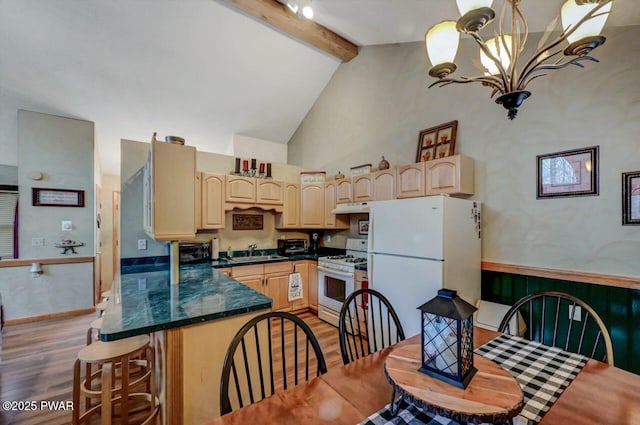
370 233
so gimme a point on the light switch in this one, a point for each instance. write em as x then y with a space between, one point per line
67 225
142 244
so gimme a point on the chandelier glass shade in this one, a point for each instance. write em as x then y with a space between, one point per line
502 67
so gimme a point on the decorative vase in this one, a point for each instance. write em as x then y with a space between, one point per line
384 164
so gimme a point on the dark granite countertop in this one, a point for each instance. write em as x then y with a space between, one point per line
224 262
146 302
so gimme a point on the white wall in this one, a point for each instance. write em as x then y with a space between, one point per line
377 104
61 287
62 150
263 150
9 174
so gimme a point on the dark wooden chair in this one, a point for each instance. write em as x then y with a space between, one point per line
549 322
269 352
367 323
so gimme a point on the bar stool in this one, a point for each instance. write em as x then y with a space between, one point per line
125 393
94 326
101 307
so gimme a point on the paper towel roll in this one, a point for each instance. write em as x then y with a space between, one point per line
215 249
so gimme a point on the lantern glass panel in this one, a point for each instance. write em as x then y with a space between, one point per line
466 338
440 346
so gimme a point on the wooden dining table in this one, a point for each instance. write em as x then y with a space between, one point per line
348 394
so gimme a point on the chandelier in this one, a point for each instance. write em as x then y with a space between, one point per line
500 56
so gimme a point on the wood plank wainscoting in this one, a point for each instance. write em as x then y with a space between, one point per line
49 261
615 298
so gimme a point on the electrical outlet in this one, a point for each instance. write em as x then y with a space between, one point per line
142 244
577 313
67 225
327 238
142 283
37 241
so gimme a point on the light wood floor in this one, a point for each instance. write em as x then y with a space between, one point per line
37 361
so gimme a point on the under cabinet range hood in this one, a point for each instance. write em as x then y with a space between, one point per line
351 208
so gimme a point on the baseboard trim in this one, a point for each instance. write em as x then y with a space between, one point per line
619 281
28 262
48 316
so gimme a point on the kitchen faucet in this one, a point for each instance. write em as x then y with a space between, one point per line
251 247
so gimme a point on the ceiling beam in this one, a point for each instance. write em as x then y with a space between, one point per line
279 16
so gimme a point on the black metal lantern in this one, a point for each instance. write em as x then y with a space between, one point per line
447 338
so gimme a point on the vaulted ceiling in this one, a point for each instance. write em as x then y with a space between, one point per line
200 69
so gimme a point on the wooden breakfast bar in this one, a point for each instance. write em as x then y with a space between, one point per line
348 394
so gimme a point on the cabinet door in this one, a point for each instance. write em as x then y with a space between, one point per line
362 188
240 189
384 185
333 221
410 180
269 192
198 209
302 267
277 288
213 186
453 175
171 191
329 205
225 271
290 217
253 282
311 205
313 285
343 191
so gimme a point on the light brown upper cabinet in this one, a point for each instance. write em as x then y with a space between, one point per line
333 221
213 187
344 192
198 200
240 189
269 192
362 188
453 175
384 185
290 216
312 205
169 191
410 180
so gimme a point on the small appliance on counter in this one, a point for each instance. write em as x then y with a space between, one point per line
315 243
292 246
195 252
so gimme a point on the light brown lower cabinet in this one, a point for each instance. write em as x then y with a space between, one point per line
313 285
272 279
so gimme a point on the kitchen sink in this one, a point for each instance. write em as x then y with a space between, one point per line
256 259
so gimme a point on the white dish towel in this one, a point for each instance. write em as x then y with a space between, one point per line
295 286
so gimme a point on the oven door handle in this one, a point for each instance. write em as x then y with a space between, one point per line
336 272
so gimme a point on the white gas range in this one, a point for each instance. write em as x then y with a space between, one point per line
336 279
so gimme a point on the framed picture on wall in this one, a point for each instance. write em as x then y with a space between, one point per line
631 198
363 227
568 173
437 142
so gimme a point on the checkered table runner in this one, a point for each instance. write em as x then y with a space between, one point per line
543 374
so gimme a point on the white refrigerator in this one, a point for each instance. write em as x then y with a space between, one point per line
420 245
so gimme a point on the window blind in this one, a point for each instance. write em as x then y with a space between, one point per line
7 221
